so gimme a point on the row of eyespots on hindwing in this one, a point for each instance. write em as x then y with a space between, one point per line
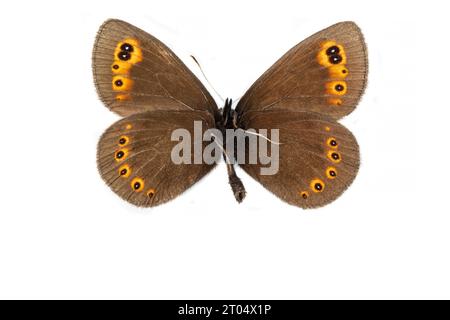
126 54
317 185
137 184
332 56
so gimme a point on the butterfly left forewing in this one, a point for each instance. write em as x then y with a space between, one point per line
135 72
318 157
134 156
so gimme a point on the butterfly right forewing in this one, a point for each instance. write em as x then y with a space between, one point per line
326 73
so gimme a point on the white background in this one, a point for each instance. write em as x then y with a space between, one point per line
64 234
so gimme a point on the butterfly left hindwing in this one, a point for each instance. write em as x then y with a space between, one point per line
134 156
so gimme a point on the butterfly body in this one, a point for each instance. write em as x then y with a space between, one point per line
301 97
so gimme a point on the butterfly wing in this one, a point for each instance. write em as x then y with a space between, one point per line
326 73
318 157
134 156
135 72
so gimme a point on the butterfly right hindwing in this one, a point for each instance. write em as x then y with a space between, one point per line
318 157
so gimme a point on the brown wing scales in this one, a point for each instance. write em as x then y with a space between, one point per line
326 73
134 156
318 158
135 72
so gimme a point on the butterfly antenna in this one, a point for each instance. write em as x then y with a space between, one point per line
237 100
206 78
262 136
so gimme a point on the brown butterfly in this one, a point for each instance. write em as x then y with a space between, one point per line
303 95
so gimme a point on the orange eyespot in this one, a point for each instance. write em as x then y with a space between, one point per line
334 156
128 51
327 129
123 141
335 101
331 54
121 83
128 126
331 173
150 192
336 87
338 71
304 195
322 56
120 67
115 68
125 171
317 185
122 97
137 184
121 154
331 142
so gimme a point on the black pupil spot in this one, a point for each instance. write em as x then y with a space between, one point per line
122 141
123 172
339 87
119 154
124 55
335 156
115 67
118 83
150 194
333 143
126 47
335 59
304 195
332 50
332 173
318 186
137 185
344 71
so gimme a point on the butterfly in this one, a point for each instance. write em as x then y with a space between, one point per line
302 95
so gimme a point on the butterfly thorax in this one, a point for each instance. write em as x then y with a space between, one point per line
229 117
227 123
